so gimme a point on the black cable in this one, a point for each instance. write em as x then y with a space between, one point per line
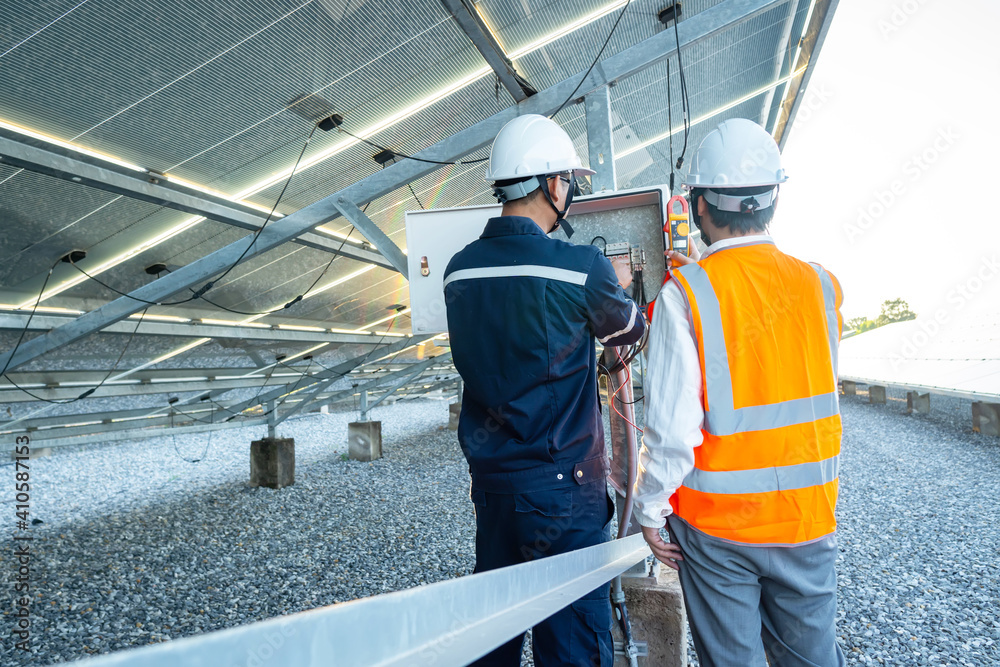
291 303
31 316
602 238
200 292
90 391
209 285
414 193
596 59
670 125
394 153
685 102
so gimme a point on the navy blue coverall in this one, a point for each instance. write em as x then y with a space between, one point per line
523 311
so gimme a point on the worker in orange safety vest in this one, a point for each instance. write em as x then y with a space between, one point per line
742 424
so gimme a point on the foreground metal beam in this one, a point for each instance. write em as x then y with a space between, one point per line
481 37
629 62
38 156
448 624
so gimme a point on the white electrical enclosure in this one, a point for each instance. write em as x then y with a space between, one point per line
434 236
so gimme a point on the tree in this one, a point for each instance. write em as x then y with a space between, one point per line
895 310
860 324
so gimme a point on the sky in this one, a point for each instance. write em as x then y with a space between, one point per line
894 182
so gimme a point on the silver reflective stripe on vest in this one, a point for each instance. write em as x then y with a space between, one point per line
832 322
722 418
764 480
523 271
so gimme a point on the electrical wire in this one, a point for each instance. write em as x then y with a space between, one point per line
31 316
414 193
86 392
200 292
670 127
685 101
209 285
596 59
380 147
628 379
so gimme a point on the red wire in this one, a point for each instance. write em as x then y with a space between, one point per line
628 378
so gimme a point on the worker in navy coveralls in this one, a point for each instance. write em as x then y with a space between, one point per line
523 312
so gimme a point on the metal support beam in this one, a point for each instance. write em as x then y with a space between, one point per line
816 32
479 33
135 433
314 395
363 400
44 158
629 62
599 139
336 373
16 322
373 233
784 51
272 419
391 389
787 60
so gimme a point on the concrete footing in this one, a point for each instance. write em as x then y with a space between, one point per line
850 388
272 462
986 418
33 452
917 402
454 410
656 611
876 394
364 441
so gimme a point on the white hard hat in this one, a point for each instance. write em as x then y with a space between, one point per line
738 153
532 145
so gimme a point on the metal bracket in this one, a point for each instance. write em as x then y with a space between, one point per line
641 647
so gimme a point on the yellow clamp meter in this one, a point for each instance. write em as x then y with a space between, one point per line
677 229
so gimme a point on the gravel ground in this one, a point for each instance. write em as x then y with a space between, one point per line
919 532
138 546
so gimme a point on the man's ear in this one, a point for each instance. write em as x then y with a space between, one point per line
554 185
702 206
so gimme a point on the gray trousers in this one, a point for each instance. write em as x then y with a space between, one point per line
746 602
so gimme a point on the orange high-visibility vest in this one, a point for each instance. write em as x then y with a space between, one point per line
768 327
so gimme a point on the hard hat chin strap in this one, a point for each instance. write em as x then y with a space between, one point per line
543 182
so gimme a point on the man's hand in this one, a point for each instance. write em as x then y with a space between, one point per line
623 269
665 552
679 258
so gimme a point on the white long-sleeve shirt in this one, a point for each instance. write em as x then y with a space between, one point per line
673 405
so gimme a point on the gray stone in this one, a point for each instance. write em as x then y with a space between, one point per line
272 462
986 418
917 402
33 452
454 410
364 441
876 394
656 611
